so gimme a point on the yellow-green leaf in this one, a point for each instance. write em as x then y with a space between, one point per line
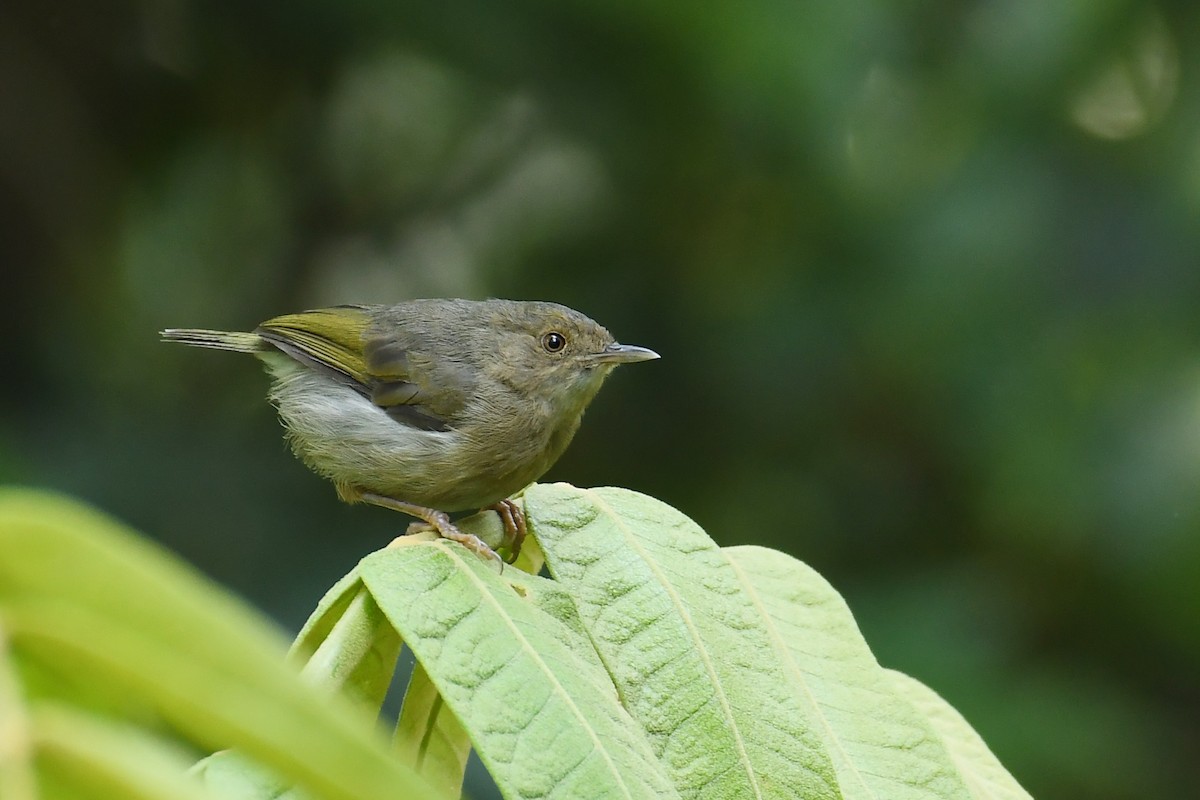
689 652
541 711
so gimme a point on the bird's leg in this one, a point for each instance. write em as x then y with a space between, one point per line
514 526
439 521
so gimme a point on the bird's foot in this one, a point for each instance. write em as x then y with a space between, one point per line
437 521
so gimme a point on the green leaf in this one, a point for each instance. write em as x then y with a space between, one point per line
881 745
320 622
16 748
428 734
540 709
986 778
78 590
430 738
100 759
690 654
359 653
231 776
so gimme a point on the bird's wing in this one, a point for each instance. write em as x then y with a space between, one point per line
413 385
328 340
384 366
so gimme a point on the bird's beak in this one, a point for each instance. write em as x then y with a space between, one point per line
624 354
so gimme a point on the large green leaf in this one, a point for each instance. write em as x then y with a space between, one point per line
349 647
82 598
742 665
539 707
97 758
688 651
16 737
881 745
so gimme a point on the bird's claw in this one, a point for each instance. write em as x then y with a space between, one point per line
469 541
513 517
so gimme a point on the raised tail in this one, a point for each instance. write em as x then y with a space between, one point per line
217 340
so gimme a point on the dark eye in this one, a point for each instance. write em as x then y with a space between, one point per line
554 342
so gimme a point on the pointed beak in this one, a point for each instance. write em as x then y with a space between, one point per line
624 354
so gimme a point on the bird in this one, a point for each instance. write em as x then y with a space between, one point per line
432 406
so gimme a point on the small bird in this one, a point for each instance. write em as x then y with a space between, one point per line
431 406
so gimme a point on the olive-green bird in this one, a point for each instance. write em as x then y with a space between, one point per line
431 406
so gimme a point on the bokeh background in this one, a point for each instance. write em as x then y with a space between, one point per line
925 276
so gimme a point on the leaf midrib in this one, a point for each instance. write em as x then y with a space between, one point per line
726 709
532 651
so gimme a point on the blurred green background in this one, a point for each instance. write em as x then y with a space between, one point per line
925 277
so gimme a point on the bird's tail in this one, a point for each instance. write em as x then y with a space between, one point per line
217 340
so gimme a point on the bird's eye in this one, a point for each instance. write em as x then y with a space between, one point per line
554 342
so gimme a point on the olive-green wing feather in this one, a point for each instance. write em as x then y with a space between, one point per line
386 365
329 340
